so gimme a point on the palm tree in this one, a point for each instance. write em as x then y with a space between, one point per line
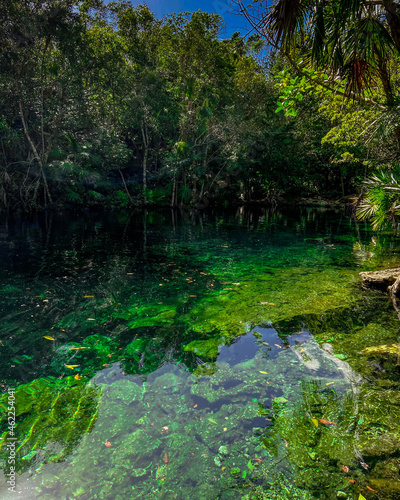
351 40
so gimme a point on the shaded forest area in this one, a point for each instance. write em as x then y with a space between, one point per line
108 105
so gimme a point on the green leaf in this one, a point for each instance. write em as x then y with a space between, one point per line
244 474
250 465
361 497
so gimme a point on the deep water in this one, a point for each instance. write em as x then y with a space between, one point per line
219 355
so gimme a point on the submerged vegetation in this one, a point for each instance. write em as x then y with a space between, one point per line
231 356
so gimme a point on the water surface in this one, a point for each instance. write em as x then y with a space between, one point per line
216 355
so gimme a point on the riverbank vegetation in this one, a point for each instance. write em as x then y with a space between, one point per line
110 105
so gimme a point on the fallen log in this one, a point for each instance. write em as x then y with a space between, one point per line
387 279
383 279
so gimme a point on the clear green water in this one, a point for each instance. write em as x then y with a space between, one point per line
194 356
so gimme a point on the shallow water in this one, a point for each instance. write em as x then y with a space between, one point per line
221 355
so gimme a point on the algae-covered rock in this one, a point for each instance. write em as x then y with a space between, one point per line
124 390
138 446
382 350
204 348
387 489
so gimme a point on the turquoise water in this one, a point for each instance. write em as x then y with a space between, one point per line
216 355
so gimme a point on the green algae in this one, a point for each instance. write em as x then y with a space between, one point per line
40 407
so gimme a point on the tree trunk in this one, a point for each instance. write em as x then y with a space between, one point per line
145 136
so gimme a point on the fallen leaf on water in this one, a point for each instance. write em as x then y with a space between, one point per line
370 489
345 469
326 422
263 372
225 429
88 296
271 303
315 422
90 319
351 480
201 420
166 458
78 348
108 444
257 460
361 497
195 406
76 376
48 338
71 366
330 383
302 350
277 345
223 468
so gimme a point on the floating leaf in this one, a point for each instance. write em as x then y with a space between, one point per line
244 474
326 422
71 367
315 422
250 465
76 376
330 383
263 372
370 489
48 337
88 296
361 497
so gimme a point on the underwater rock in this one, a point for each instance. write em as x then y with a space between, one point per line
342 494
136 443
386 488
124 390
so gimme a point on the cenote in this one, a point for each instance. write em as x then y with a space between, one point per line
216 355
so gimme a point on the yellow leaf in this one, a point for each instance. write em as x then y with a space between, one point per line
76 377
330 383
48 338
225 429
223 468
88 296
78 348
263 372
90 319
315 422
361 497
71 367
302 350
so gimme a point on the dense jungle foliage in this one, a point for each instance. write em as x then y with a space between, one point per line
106 104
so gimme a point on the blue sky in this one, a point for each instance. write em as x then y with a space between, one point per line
233 22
